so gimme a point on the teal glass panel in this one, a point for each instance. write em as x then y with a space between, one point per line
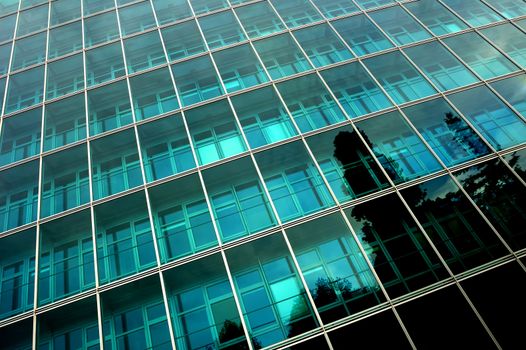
399 78
183 40
399 25
272 297
221 29
367 4
461 236
517 160
7 26
153 94
239 68
322 45
64 76
8 6
64 188
446 133
20 136
339 279
92 6
19 195
100 29
500 126
508 8
25 89
475 13
295 185
18 335
2 89
357 92
361 35
335 8
165 147
263 117
65 39
202 305
440 66
214 132
402 154
73 326
296 12
513 91
203 6
346 163
64 11
64 122
104 63
118 170
259 19
435 16
124 237
309 103
183 224
66 265
5 53
136 18
196 80
239 205
32 20
17 264
509 39
171 10
281 56
30 3
500 196
29 51
109 107
144 51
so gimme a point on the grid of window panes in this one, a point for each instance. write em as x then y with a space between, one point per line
245 174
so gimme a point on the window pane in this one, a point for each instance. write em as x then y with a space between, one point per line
182 40
508 8
221 29
335 8
474 12
104 63
7 26
64 76
32 20
144 51
28 51
203 6
65 122
171 10
296 12
20 136
100 29
367 4
65 39
435 16
109 107
512 90
92 6
136 18
509 39
64 11
399 25
259 19
25 89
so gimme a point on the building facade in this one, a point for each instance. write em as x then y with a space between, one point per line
233 174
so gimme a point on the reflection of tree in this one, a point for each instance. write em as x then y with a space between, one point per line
463 134
325 289
232 330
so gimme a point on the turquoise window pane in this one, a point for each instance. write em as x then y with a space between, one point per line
435 16
171 10
25 89
196 80
100 29
347 165
214 132
295 185
20 136
144 51
356 91
92 6
508 8
221 29
136 18
296 12
509 39
239 205
309 102
281 56
32 20
5 53
521 23
165 147
367 4
263 117
493 119
64 76
447 133
335 8
361 35
64 11
64 122
513 91
29 51
399 25
2 90
30 3
239 68
104 63
203 6
109 107
259 19
153 94
402 154
182 40
8 6
322 45
440 66
116 171
65 39
183 223
399 78
474 12
17 265
7 26
19 196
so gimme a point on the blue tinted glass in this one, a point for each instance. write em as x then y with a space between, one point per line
474 12
144 51
100 29
65 122
25 89
20 136
182 40
109 107
362 36
28 51
367 4
335 8
5 52
202 6
136 18
513 90
296 12
65 39
509 39
259 19
221 29
32 20
508 8
435 16
104 63
171 10
7 27
399 25
64 76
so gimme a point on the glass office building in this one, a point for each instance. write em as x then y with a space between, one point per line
245 174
